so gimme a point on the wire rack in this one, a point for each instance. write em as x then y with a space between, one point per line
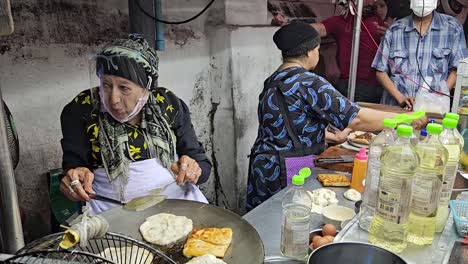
57 257
114 247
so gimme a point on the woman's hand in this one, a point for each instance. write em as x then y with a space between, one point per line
186 169
77 184
336 136
420 123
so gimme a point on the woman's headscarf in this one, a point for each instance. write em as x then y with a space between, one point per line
134 60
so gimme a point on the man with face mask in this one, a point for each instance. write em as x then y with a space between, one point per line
424 49
341 29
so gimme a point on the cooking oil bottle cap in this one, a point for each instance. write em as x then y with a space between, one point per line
452 116
388 122
449 123
297 180
305 172
434 129
405 131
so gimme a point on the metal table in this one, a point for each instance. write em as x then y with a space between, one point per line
266 218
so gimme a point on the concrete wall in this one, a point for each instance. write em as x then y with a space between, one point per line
217 69
254 58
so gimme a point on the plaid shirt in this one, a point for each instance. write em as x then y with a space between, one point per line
440 50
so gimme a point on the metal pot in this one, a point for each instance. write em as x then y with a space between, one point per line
353 253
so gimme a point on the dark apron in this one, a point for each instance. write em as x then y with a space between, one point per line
298 157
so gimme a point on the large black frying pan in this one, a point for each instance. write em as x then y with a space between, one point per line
246 246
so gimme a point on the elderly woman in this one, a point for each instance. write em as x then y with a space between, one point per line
128 136
296 105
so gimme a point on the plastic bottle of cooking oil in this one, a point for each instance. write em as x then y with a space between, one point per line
295 224
427 185
455 131
390 224
369 199
451 142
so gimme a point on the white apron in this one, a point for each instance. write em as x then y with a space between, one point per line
144 176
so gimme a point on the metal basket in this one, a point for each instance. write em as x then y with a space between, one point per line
131 250
460 216
57 257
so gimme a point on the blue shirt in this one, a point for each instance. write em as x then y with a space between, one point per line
440 50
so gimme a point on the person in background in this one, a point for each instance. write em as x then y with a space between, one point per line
341 28
425 47
382 10
294 110
129 136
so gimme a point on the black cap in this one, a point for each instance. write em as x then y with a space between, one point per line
295 38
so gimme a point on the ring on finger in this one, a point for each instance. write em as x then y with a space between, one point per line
70 189
74 182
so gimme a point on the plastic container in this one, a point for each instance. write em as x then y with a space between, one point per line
376 148
390 224
427 184
451 142
460 216
295 224
457 133
359 170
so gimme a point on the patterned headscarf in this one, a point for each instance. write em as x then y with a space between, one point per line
134 60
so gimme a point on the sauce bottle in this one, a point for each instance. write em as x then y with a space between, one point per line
359 170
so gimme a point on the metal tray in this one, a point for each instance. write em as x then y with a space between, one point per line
246 246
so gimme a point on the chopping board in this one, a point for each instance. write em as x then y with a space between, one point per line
336 152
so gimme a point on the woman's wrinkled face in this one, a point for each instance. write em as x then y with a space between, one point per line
382 9
120 95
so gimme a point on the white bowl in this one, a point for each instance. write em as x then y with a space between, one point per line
336 214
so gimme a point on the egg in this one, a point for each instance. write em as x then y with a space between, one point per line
329 230
329 238
315 239
320 242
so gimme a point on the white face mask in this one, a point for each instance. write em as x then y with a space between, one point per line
422 8
139 105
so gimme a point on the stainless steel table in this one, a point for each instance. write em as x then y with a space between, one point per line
266 218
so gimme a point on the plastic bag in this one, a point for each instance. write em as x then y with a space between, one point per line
432 102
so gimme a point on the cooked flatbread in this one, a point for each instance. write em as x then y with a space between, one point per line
214 241
360 137
206 259
336 180
128 255
166 229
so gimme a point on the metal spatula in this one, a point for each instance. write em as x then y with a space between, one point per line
138 203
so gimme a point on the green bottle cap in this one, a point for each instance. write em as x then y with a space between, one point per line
403 118
452 116
305 172
418 114
449 123
404 131
297 180
434 129
388 122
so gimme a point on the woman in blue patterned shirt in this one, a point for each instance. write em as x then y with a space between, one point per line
296 105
